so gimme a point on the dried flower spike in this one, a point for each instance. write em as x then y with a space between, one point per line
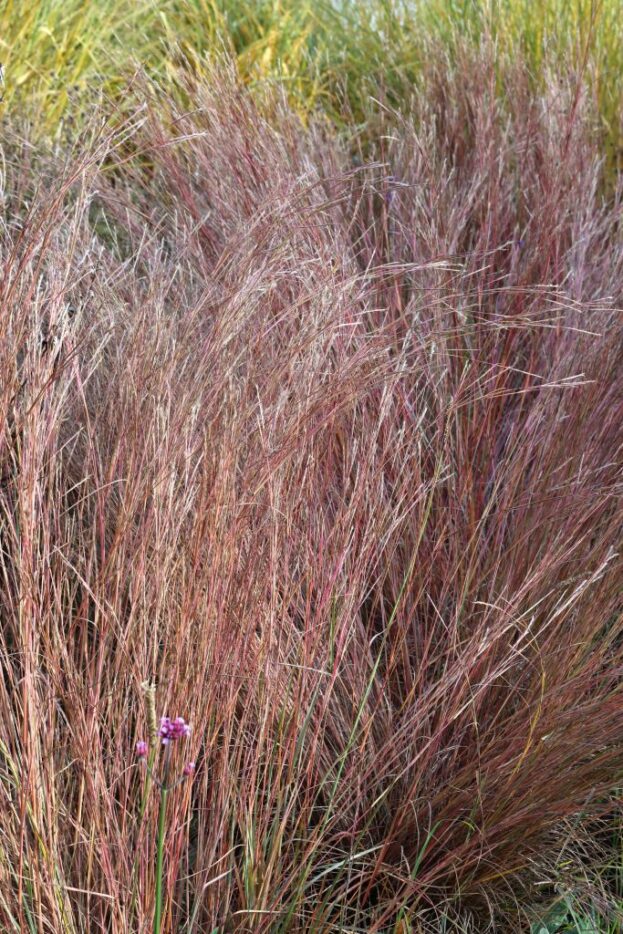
149 690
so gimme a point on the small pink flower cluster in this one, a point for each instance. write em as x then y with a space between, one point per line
172 730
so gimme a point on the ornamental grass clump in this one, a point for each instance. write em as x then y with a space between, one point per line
332 449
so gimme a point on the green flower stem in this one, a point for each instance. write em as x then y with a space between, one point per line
164 791
160 858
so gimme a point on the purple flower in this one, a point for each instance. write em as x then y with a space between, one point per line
141 749
172 730
189 769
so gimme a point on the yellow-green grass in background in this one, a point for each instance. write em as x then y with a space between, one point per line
330 56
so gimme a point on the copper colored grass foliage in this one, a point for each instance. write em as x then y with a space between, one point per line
331 452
